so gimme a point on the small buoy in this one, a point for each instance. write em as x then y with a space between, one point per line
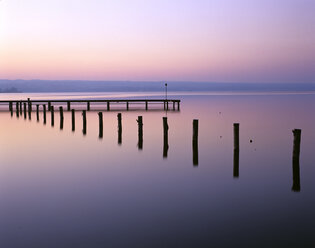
251 141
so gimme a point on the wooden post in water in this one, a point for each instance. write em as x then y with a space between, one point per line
100 119
88 106
296 160
73 119
108 107
61 117
11 108
195 142
44 114
29 105
173 106
236 153
29 111
84 122
146 105
20 107
165 137
178 107
37 112
119 129
140 133
24 105
127 105
49 106
68 106
52 116
167 105
17 109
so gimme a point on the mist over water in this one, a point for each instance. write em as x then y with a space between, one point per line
63 188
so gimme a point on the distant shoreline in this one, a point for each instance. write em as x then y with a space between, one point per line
59 86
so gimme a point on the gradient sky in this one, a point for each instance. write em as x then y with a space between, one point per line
179 40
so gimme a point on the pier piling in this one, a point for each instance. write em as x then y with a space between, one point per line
73 119
140 133
296 160
52 116
44 114
236 152
61 117
84 122
119 129
195 142
37 112
165 137
100 119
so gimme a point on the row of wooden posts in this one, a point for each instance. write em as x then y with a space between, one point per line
88 102
296 138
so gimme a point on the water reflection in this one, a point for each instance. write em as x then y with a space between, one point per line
296 160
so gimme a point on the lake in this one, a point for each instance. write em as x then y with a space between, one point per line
63 188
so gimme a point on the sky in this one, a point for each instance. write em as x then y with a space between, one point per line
158 40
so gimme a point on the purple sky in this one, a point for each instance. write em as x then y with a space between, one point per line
200 40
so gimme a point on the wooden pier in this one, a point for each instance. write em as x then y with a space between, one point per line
166 104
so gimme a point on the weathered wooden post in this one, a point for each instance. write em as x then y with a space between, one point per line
11 108
146 105
236 153
37 112
44 114
173 105
195 142
140 133
20 107
164 107
17 109
88 105
119 129
108 107
61 117
178 105
100 118
24 105
296 160
29 104
84 122
165 137
49 106
167 105
29 111
52 116
68 106
127 105
73 119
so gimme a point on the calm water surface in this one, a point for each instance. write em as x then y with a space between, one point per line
60 188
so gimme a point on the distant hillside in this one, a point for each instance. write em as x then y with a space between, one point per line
130 86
